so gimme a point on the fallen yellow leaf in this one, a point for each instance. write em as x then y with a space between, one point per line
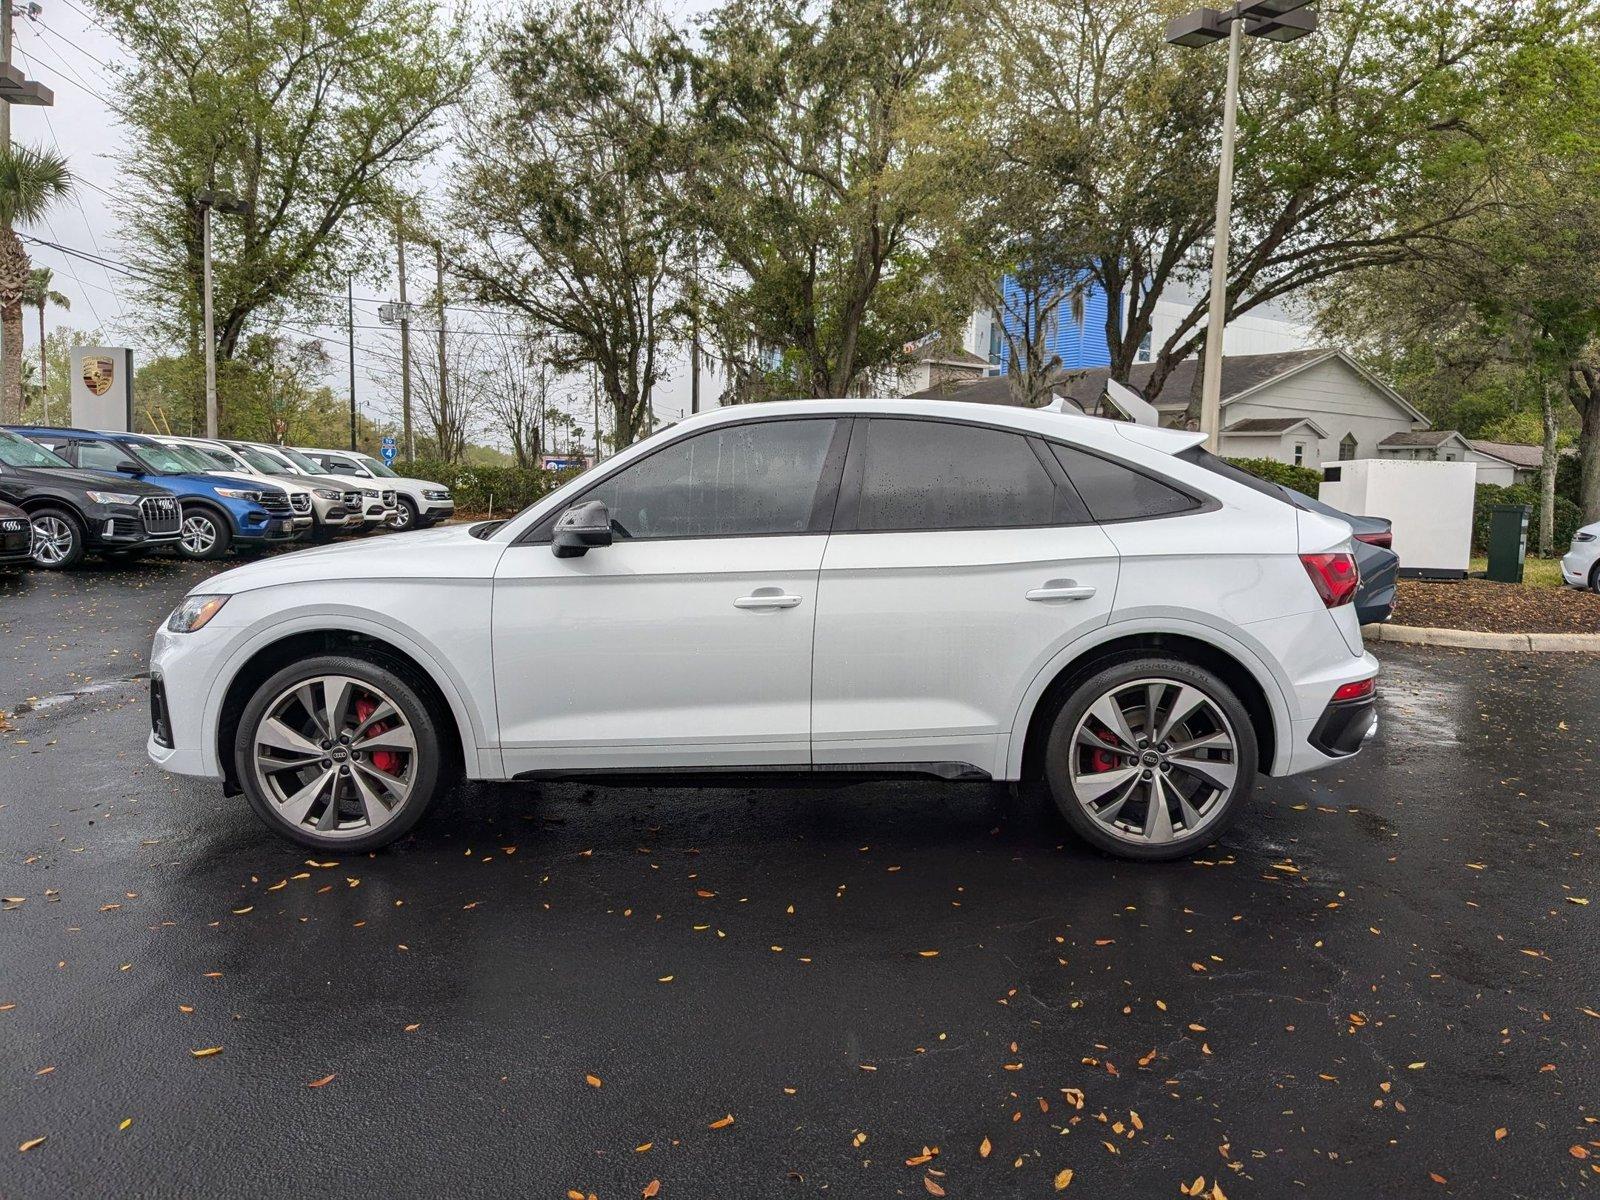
984 1149
721 1122
207 1052
1063 1179
592 1080
323 1082
29 1144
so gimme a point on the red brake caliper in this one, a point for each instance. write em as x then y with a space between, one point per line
386 761
1099 760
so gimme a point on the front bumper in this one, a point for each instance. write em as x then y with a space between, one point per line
436 510
123 526
262 527
182 667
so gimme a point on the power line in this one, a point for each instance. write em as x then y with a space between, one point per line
66 74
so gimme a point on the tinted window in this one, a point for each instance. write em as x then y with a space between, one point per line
1117 493
734 482
20 452
102 456
938 475
1202 457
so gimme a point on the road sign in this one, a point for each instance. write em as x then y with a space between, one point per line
387 440
388 453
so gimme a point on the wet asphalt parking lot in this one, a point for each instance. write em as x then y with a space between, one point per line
1384 982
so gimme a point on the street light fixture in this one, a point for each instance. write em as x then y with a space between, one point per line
228 203
1276 21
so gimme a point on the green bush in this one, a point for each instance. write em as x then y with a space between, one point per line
1568 516
479 489
1301 479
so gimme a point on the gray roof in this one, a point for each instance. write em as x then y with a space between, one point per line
1421 437
1240 373
1266 424
991 389
1529 458
944 352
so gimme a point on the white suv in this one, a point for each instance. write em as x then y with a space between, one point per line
421 502
834 587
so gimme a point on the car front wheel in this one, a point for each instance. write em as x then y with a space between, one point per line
58 539
1151 758
204 535
339 752
405 516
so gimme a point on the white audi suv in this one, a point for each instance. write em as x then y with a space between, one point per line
833 588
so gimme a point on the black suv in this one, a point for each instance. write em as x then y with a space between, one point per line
74 513
15 535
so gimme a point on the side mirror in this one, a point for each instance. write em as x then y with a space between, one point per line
583 526
129 468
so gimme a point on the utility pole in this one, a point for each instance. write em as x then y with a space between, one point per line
594 379
350 311
405 345
1211 387
5 52
205 285
444 373
694 334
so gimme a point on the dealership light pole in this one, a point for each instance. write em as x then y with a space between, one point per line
1277 21
223 202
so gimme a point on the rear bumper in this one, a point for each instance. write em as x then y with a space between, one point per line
1344 726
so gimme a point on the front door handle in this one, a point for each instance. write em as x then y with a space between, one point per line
1062 589
768 597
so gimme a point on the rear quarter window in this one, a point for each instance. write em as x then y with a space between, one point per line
1114 492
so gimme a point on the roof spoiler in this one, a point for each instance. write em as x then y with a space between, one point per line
1168 441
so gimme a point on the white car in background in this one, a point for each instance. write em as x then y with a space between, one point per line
830 588
422 501
1580 566
380 505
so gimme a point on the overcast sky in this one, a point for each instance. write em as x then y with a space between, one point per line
69 51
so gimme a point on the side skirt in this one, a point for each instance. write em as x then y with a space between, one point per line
802 774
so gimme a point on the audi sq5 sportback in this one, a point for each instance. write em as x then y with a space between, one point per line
831 587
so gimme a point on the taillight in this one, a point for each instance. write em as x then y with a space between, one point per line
1384 539
1359 690
1334 576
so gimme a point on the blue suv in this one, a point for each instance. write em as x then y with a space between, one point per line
219 511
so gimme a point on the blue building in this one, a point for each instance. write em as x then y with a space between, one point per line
1079 344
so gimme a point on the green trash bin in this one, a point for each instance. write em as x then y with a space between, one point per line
1508 541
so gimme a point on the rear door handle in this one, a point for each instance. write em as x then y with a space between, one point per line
1062 589
764 598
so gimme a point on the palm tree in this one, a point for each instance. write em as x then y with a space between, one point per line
30 182
37 294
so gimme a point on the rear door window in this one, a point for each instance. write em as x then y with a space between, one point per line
925 475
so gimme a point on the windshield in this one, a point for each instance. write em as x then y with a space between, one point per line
191 458
157 459
265 462
376 467
221 458
300 460
20 452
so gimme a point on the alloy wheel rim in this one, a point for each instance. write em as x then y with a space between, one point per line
1153 760
335 756
199 534
52 541
401 518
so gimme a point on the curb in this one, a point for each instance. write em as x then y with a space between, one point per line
1471 639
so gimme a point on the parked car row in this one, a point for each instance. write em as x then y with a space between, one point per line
122 495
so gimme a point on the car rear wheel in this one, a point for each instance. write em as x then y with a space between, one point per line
340 752
1151 758
1594 577
204 535
58 539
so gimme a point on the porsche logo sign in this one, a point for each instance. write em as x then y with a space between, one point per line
99 372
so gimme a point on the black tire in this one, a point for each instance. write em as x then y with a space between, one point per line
1125 673
429 772
405 517
67 542
1594 578
205 535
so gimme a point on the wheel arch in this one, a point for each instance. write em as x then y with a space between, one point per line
1251 682
31 504
263 660
213 507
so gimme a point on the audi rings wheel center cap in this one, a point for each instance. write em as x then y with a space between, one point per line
339 754
1149 758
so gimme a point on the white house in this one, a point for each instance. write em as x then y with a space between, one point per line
1305 407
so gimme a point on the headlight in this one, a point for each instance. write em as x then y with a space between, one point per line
194 612
1577 537
326 493
112 498
370 495
240 494
436 493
